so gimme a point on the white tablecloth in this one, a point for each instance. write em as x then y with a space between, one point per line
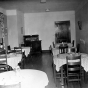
61 60
28 78
55 51
13 59
26 49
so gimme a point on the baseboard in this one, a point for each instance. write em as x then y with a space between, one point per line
45 51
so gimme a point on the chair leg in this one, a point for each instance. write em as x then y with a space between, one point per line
84 76
55 79
67 82
54 75
80 84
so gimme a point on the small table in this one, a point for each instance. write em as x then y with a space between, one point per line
28 78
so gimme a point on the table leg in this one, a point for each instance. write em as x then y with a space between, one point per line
62 78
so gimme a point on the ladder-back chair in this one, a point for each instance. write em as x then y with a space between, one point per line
3 60
73 68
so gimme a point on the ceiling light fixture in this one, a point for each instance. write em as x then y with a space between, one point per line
47 10
43 1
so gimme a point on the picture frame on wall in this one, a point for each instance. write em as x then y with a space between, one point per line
80 25
63 32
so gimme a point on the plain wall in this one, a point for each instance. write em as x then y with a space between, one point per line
20 26
82 35
12 30
15 23
43 25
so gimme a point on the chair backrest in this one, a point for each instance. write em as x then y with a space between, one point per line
18 50
3 53
63 48
73 63
53 44
73 43
55 51
72 50
78 48
8 47
3 61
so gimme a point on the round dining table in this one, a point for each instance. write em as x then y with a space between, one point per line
26 78
60 60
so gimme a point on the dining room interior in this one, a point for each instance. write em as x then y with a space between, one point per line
37 38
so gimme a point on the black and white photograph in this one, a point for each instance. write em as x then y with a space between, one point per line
43 43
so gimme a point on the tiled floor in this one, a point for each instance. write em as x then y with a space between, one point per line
44 62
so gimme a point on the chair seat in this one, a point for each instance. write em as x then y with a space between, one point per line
74 80
18 50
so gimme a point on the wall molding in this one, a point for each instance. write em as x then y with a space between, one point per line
46 51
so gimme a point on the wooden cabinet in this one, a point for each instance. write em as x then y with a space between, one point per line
36 47
28 39
33 42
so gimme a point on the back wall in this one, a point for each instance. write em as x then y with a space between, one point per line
43 25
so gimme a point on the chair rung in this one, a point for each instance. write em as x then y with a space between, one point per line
60 77
73 75
74 80
60 73
3 61
1 66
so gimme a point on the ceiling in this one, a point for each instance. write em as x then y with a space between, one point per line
27 6
41 0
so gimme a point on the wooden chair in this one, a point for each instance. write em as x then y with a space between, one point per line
63 48
56 53
9 49
72 50
73 68
78 48
3 61
53 44
57 74
18 50
73 42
